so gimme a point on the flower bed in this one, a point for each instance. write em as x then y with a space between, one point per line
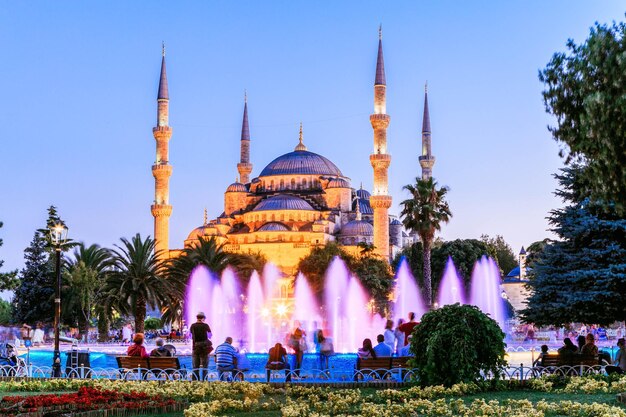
222 398
85 399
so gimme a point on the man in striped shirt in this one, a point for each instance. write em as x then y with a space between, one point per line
226 357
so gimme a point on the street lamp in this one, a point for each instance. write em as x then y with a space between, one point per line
58 236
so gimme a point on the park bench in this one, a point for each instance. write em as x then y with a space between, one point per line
154 364
401 364
579 364
378 367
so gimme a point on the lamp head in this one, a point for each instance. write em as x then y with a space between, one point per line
58 234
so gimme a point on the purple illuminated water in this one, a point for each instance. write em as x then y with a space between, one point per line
451 289
407 295
486 293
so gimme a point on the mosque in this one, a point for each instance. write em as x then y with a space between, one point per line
299 200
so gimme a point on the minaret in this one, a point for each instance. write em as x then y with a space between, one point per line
427 160
380 159
522 264
244 166
162 170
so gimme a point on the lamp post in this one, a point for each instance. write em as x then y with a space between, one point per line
58 236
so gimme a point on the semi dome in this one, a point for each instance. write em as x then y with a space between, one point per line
396 222
363 194
338 183
236 187
357 228
301 162
273 227
283 202
205 230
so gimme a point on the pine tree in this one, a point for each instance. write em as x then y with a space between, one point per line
33 299
8 280
582 276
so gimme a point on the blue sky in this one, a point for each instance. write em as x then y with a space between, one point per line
79 83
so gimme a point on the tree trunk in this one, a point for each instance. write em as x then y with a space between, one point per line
140 314
103 327
428 290
83 327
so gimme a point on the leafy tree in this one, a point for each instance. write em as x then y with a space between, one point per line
210 253
533 252
582 276
423 214
464 254
8 280
138 279
585 89
457 343
504 255
374 273
5 313
315 264
84 280
153 323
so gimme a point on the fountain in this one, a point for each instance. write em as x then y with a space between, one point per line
486 293
407 295
451 288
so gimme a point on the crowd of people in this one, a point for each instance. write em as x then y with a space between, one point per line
230 361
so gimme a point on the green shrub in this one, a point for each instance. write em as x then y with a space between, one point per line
152 323
457 343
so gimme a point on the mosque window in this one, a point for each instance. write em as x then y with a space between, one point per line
282 217
273 217
303 182
272 185
263 218
282 184
293 183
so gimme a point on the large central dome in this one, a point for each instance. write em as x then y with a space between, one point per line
301 162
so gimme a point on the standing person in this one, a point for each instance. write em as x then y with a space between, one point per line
226 358
390 336
326 349
399 334
407 328
126 333
297 341
201 345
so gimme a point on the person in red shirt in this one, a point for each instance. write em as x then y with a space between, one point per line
137 348
407 328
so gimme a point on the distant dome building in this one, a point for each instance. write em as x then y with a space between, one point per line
299 200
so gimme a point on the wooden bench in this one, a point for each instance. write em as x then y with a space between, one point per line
376 367
128 364
552 361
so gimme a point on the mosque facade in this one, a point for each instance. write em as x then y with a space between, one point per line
299 200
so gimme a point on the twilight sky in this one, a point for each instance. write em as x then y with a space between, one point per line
79 83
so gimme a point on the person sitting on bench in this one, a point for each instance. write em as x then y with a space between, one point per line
137 348
277 360
226 358
160 350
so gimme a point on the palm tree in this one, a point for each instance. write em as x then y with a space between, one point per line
138 279
423 214
85 277
210 253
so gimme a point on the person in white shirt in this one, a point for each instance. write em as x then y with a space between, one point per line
390 337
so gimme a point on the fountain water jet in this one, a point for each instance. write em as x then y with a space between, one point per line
486 293
407 295
451 288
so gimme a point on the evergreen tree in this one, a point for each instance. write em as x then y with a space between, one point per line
8 280
582 276
34 297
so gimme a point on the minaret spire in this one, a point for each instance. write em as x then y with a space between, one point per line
162 170
427 160
244 166
380 159
300 146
